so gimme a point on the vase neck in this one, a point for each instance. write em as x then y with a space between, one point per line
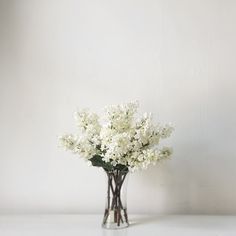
117 175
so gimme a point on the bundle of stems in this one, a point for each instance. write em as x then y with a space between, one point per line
114 201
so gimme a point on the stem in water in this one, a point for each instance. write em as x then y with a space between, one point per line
115 206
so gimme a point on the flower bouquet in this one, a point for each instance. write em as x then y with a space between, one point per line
120 143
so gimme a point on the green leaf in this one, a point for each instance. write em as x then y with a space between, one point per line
121 167
97 161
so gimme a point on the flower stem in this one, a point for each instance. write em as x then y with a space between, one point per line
114 202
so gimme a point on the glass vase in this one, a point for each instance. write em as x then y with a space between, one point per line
115 215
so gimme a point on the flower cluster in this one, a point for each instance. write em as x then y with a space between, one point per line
122 141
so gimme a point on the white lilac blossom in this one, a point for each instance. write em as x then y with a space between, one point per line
121 141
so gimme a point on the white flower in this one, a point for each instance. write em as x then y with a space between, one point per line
68 141
166 130
165 152
87 121
120 117
123 139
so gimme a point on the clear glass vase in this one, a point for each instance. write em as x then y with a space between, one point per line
115 215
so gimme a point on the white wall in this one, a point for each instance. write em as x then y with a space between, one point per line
176 57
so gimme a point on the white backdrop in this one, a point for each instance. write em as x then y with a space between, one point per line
176 57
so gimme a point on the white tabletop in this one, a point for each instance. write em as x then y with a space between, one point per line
90 225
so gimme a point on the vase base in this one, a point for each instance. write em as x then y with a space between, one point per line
114 226
115 219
